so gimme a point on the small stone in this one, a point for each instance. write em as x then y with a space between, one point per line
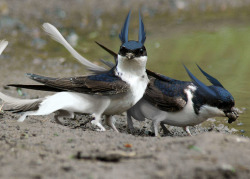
242 131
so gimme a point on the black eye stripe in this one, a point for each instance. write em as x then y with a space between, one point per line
137 52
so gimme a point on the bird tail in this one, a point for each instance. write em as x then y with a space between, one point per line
20 105
57 36
3 45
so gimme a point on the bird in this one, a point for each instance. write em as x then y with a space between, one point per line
168 100
178 103
108 93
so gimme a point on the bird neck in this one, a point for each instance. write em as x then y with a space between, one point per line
203 108
133 67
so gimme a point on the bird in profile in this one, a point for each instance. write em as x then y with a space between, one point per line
180 103
108 93
175 102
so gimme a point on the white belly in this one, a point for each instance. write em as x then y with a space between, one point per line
123 102
182 118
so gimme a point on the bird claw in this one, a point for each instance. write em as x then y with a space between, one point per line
98 124
131 130
101 130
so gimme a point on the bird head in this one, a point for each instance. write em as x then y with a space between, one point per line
132 51
216 95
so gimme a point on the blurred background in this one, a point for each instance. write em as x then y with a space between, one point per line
212 33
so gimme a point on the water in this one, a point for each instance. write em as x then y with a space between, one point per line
223 52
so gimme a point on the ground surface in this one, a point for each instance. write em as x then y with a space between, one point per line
39 148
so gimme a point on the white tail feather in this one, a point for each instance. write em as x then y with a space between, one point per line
57 36
3 45
16 104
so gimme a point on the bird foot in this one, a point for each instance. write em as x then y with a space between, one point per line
187 130
165 130
131 130
98 124
101 130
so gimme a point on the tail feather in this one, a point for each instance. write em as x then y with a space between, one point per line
57 36
3 45
20 105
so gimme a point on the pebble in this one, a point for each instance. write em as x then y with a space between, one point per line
240 124
242 131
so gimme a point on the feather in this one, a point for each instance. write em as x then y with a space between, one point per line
109 51
206 91
102 84
107 63
20 105
36 87
142 33
57 36
3 45
124 32
210 78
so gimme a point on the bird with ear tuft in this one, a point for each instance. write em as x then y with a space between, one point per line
107 93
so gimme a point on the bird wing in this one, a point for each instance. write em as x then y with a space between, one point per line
102 84
166 96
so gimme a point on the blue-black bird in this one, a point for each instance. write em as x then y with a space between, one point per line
110 92
178 103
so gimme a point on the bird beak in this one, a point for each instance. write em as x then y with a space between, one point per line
130 56
233 115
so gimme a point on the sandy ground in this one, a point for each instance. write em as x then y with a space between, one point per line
39 148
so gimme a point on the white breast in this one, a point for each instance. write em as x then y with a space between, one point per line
186 116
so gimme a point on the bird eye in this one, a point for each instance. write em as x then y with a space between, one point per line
122 50
141 51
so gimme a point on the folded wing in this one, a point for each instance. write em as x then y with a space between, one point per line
102 84
167 96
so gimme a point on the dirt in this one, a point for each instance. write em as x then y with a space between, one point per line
39 148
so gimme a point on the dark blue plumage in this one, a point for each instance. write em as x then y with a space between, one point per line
142 33
131 45
204 89
124 31
171 88
105 77
135 47
210 78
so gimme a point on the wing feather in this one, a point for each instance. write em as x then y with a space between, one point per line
166 96
102 84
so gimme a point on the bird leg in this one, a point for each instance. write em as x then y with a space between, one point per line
186 128
155 128
110 120
96 121
130 126
165 130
